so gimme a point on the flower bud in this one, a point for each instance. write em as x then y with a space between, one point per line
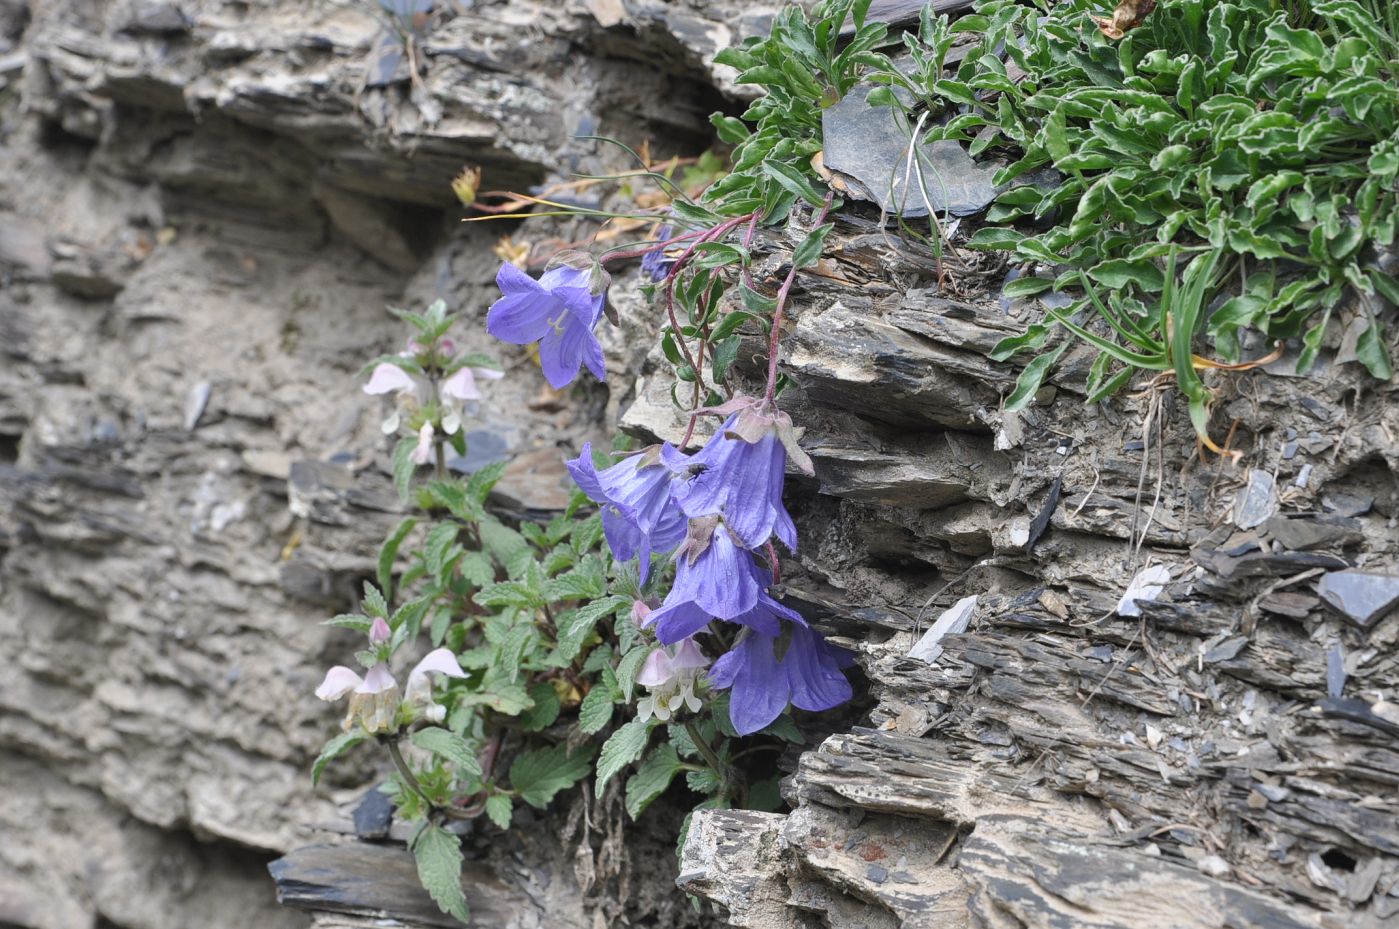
379 631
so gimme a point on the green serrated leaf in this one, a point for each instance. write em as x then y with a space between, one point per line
628 668
437 544
350 621
388 553
499 807
373 603
621 748
651 779
538 775
334 749
404 466
595 712
545 710
439 858
450 746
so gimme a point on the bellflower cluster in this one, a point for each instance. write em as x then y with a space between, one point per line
714 509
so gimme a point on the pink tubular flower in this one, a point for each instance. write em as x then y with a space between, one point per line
374 698
462 384
670 677
419 691
389 378
379 631
460 388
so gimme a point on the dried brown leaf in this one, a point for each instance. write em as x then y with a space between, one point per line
1129 15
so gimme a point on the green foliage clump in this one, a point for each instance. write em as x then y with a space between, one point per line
1259 135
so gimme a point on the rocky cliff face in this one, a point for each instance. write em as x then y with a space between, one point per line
203 217
204 211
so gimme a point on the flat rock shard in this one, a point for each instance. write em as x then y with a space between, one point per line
866 148
953 620
1361 596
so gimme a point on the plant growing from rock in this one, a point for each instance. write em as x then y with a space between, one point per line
552 657
1258 138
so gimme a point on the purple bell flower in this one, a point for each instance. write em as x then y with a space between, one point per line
674 622
712 575
558 311
808 675
740 472
655 263
638 516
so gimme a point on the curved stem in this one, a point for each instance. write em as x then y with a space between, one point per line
705 751
405 772
777 313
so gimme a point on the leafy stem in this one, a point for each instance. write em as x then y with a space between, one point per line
710 758
410 779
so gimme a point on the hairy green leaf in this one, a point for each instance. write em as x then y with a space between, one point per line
449 745
334 749
539 774
621 748
652 778
439 858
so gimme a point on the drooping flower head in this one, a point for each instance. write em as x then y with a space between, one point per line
558 311
656 264
712 575
670 675
681 619
639 517
765 672
739 474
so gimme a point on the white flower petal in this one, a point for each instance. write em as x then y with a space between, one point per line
451 422
339 681
461 386
688 656
656 670
377 680
423 453
388 378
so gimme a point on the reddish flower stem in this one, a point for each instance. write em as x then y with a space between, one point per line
639 252
777 313
708 236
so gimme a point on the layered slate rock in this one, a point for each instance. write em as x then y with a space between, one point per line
1225 759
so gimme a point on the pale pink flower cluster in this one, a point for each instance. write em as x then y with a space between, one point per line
670 674
458 389
374 698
